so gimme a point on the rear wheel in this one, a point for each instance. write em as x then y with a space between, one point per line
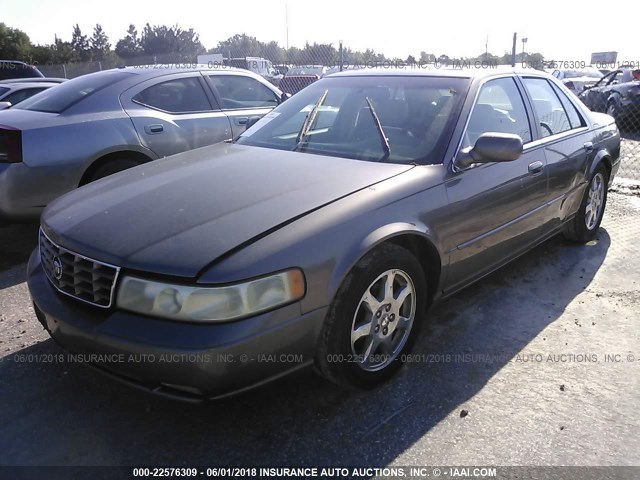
584 226
112 166
374 318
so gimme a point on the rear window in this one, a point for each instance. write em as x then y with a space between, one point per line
10 70
69 93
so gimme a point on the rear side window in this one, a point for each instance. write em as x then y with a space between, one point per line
3 90
575 119
550 113
500 109
237 91
181 95
66 94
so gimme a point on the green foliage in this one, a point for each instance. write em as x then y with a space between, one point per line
161 43
130 45
14 43
161 39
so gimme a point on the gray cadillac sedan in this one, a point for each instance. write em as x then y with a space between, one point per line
323 234
104 122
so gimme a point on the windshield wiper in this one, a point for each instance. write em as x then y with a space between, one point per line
383 137
309 120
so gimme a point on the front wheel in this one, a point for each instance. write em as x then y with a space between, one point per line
374 318
584 226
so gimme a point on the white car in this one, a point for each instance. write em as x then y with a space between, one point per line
577 79
13 93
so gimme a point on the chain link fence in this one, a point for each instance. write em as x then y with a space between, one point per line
292 69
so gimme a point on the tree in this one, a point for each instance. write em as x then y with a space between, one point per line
80 45
100 46
129 46
14 43
427 57
160 39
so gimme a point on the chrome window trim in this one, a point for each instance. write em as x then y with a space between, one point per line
534 143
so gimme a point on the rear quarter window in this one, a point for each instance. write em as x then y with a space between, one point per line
66 94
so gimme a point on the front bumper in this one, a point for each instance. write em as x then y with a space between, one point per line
184 360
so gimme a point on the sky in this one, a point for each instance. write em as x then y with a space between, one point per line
559 30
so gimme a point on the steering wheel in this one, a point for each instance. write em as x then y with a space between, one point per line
546 127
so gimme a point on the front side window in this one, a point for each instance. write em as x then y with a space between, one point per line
499 109
550 112
397 119
181 95
237 92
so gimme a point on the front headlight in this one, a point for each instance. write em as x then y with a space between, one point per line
210 304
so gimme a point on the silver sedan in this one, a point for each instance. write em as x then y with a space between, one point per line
105 122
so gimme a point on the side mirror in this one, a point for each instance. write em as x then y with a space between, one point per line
284 96
490 147
251 121
5 105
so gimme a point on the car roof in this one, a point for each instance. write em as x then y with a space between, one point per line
25 85
444 71
152 71
34 79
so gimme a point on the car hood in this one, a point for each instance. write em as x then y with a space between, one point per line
176 215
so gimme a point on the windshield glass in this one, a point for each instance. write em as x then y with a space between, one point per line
415 114
62 96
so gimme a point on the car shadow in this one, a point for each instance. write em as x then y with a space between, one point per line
16 244
59 413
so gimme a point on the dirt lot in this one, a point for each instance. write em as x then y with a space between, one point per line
544 355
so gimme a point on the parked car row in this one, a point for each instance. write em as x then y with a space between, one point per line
104 122
618 94
318 236
577 79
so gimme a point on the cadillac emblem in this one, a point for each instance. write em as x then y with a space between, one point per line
57 268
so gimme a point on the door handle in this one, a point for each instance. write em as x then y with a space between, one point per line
588 146
156 128
536 167
242 120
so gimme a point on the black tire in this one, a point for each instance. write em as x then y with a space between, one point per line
613 109
578 230
112 166
337 359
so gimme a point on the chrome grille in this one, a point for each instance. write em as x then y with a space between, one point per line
77 276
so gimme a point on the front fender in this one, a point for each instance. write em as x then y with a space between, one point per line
380 235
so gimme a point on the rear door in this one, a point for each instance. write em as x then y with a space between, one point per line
175 113
241 96
564 135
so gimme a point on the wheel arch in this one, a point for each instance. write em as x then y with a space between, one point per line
419 241
603 156
105 157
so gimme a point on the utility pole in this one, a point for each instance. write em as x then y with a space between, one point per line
286 20
486 48
524 40
513 50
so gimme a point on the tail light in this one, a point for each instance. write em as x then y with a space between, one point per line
10 145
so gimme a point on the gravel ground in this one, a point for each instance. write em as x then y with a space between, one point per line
511 371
